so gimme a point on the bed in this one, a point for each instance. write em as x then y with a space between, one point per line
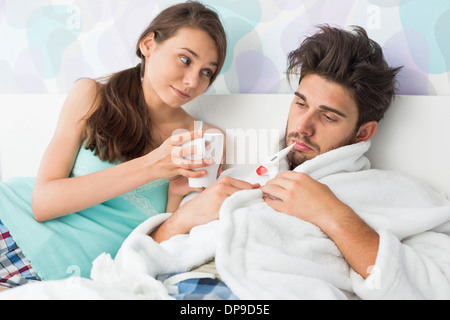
411 139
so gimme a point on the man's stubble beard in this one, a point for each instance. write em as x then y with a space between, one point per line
296 157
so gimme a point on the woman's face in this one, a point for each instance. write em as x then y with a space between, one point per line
178 69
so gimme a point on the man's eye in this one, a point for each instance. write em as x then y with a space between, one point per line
330 119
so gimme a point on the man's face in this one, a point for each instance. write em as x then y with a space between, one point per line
323 117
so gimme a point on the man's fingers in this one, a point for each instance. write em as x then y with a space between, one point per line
275 204
273 189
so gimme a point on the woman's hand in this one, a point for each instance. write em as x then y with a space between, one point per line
179 186
169 160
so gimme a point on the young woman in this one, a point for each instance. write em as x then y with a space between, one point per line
108 166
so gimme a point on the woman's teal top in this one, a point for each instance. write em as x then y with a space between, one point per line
66 246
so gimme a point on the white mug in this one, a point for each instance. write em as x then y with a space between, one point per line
215 152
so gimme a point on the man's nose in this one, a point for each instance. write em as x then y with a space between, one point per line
305 125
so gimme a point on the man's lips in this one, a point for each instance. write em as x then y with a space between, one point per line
301 146
181 94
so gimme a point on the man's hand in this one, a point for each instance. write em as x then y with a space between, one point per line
202 209
301 196
307 199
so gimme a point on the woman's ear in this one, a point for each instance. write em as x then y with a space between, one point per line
366 131
147 44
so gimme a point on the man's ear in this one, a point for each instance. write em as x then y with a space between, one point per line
147 44
366 131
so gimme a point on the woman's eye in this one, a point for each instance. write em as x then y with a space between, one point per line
208 73
185 60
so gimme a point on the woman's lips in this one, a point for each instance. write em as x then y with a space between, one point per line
181 94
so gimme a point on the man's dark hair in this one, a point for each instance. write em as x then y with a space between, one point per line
350 59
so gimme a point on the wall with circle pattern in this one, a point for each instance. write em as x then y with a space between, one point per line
46 45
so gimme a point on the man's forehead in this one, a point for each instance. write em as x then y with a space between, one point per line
327 95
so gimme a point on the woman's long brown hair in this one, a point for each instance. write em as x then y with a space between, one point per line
119 126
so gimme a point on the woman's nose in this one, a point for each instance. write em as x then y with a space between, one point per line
191 79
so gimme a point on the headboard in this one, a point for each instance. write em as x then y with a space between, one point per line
411 139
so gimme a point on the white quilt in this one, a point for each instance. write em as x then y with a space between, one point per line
263 254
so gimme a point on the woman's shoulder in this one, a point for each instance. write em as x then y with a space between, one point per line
83 95
80 100
86 88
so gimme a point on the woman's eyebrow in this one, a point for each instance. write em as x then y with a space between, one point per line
215 64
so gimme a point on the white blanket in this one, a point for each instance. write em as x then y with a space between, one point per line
263 254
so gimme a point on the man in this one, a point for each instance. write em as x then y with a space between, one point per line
344 90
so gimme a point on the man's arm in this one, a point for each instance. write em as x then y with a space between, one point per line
305 198
202 209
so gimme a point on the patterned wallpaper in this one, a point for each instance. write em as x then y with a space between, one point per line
47 44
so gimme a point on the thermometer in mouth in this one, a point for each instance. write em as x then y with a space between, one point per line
274 160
